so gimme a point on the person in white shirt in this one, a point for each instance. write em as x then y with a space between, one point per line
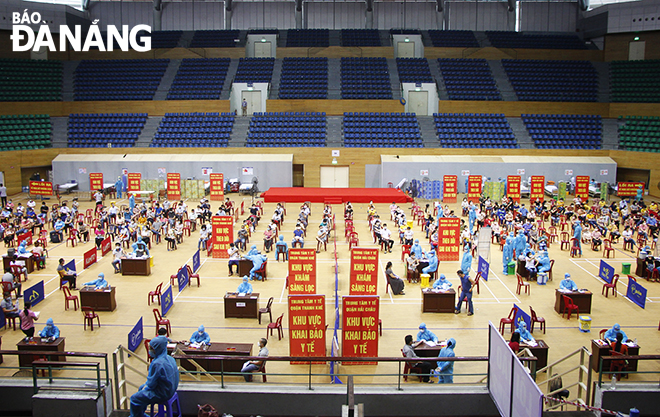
203 237
385 236
233 258
118 254
408 236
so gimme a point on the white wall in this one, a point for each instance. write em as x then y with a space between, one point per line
431 88
256 38
621 16
417 39
53 14
253 15
235 96
192 16
335 15
479 16
548 17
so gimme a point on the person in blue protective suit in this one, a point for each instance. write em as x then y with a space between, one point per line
442 283
257 261
253 251
610 334
466 263
426 335
98 283
119 187
441 212
140 248
200 336
50 330
472 217
22 248
507 253
446 368
162 380
131 203
245 286
567 284
281 246
519 244
416 248
577 234
433 263
525 335
544 262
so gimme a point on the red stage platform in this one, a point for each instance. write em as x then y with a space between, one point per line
335 195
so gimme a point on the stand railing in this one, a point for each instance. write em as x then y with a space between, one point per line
583 381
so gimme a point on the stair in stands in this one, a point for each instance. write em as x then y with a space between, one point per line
334 38
59 131
275 80
603 70
483 40
520 132
148 131
231 72
394 79
166 81
428 131
333 136
68 68
334 79
239 133
502 81
437 76
610 134
186 37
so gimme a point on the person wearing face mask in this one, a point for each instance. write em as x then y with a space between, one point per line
525 335
162 380
200 336
50 331
99 283
245 286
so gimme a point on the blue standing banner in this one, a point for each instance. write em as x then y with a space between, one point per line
636 293
3 319
606 272
483 268
166 301
522 316
35 294
182 278
196 262
71 265
135 336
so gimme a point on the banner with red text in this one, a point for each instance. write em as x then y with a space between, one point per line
106 246
41 188
582 187
89 258
306 326
537 188
133 182
449 238
474 188
513 187
222 234
95 181
450 189
27 237
360 327
364 271
173 186
629 189
302 271
217 186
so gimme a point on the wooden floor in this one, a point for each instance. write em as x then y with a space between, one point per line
401 315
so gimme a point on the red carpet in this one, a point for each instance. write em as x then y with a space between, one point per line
335 195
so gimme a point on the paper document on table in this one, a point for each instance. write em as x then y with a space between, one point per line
171 345
241 294
37 313
430 343
532 344
195 345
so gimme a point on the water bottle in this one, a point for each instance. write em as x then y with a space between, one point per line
635 341
613 383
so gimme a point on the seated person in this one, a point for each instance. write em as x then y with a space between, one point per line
118 254
8 308
245 287
411 263
257 261
514 343
162 381
409 352
321 238
268 239
596 239
432 265
530 264
253 366
525 335
59 227
233 258
200 336
20 263
298 236
281 246
426 335
99 283
140 248
567 284
66 275
442 283
416 248
394 280
610 334
50 331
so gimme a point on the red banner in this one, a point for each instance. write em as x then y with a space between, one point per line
173 186
513 187
474 188
27 236
450 189
106 246
217 186
449 238
537 188
134 182
95 181
364 271
89 258
582 187
41 188
306 326
629 189
302 271
222 235
360 328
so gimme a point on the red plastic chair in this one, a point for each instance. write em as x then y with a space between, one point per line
160 321
607 248
565 241
89 315
508 320
552 237
536 319
476 281
458 291
8 287
606 286
575 248
146 346
405 250
267 310
408 369
353 241
186 227
569 306
192 276
601 333
552 264
262 271
522 284
73 237
68 297
277 325
155 293
18 272
174 278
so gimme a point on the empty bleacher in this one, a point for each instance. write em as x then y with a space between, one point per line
304 78
414 70
360 37
468 79
534 80
165 38
22 132
518 40
254 70
127 79
308 38
215 39
453 38
564 131
639 133
287 130
117 130
381 130
365 78
474 130
183 130
30 80
635 81
199 79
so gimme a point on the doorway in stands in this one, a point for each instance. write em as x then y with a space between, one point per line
334 177
298 177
